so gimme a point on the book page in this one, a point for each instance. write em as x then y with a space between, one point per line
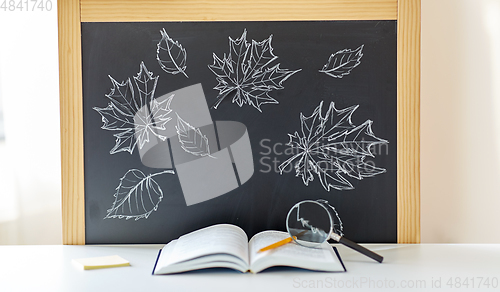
222 238
290 254
166 253
203 262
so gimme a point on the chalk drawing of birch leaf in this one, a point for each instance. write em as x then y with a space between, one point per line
171 55
247 74
134 114
192 139
332 147
136 196
342 62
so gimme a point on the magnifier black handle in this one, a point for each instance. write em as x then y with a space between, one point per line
361 249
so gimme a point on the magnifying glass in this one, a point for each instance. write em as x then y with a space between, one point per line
310 223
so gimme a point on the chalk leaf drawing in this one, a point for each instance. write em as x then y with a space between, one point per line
342 62
134 115
247 73
171 55
332 147
136 196
192 139
337 227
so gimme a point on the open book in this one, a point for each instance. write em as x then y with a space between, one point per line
227 246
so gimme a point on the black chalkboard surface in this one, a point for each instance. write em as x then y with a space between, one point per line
186 125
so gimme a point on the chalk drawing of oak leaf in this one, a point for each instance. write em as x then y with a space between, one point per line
247 73
333 149
135 114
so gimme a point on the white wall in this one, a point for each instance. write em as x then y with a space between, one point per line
30 192
460 121
460 124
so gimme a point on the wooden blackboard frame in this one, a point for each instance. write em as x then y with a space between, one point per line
71 13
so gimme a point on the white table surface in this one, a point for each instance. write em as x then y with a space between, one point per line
413 267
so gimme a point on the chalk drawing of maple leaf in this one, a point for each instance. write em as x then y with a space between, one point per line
333 148
246 72
135 114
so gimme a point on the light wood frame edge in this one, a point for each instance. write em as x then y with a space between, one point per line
409 121
70 78
70 91
236 10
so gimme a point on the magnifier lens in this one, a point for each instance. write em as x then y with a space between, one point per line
310 222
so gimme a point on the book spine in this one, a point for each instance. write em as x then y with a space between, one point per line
156 262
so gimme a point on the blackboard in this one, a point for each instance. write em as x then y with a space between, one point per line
367 94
